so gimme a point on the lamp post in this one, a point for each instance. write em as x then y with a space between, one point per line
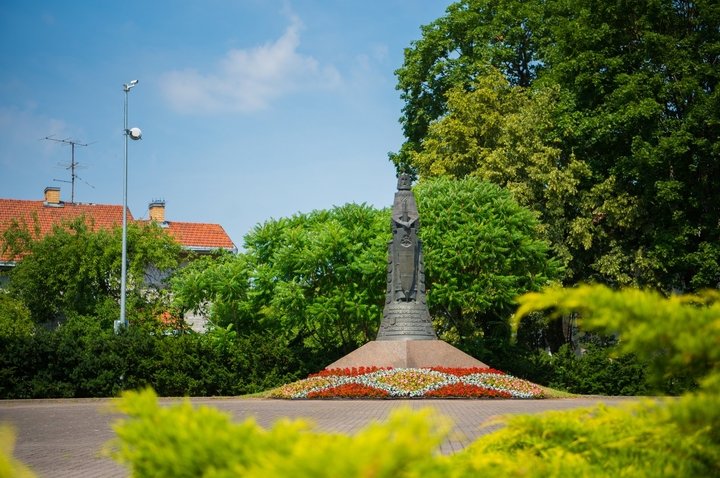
135 134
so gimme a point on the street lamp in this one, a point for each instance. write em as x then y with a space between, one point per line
134 134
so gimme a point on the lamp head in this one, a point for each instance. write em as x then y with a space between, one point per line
130 85
134 133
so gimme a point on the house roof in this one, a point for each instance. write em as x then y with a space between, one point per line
98 216
198 236
193 236
39 216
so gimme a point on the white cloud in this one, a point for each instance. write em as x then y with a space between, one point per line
247 80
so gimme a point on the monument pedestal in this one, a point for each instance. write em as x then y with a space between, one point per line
406 321
407 354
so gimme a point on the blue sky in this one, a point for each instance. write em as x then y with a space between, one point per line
249 109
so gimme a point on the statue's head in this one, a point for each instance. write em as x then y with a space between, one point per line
404 182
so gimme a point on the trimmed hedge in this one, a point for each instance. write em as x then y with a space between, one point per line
79 359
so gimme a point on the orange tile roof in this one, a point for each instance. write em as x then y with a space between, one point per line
194 236
198 236
38 214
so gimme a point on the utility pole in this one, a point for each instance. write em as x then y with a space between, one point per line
73 165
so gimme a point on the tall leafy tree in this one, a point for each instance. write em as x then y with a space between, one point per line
503 134
217 287
457 49
623 98
642 80
315 278
482 250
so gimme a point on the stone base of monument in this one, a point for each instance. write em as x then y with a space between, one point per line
407 354
406 321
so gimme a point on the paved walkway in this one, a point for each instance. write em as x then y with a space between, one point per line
63 438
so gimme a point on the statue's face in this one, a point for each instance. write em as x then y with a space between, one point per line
404 182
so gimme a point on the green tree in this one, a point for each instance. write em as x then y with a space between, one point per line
316 278
641 79
619 108
481 251
455 50
74 270
217 287
504 134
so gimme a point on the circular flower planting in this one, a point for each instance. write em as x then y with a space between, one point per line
372 382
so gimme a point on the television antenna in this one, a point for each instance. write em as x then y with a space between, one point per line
72 166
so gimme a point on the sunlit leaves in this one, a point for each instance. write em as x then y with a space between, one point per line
481 250
205 442
317 277
677 335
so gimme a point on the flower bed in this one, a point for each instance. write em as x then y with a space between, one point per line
373 382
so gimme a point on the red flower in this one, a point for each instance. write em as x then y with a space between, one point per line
349 390
358 371
461 390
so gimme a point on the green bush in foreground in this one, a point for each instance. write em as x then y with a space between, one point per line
10 467
182 441
678 438
674 437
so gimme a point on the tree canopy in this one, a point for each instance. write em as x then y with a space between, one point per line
482 250
320 277
602 117
315 278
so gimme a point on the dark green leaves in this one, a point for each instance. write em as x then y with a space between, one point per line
612 135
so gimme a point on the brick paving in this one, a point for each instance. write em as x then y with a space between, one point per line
63 438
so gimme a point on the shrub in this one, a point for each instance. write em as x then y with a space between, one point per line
598 371
206 443
82 359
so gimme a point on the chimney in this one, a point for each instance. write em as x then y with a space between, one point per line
52 195
157 210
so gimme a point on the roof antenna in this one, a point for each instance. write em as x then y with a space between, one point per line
72 166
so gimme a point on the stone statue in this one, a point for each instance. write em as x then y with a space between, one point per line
406 315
